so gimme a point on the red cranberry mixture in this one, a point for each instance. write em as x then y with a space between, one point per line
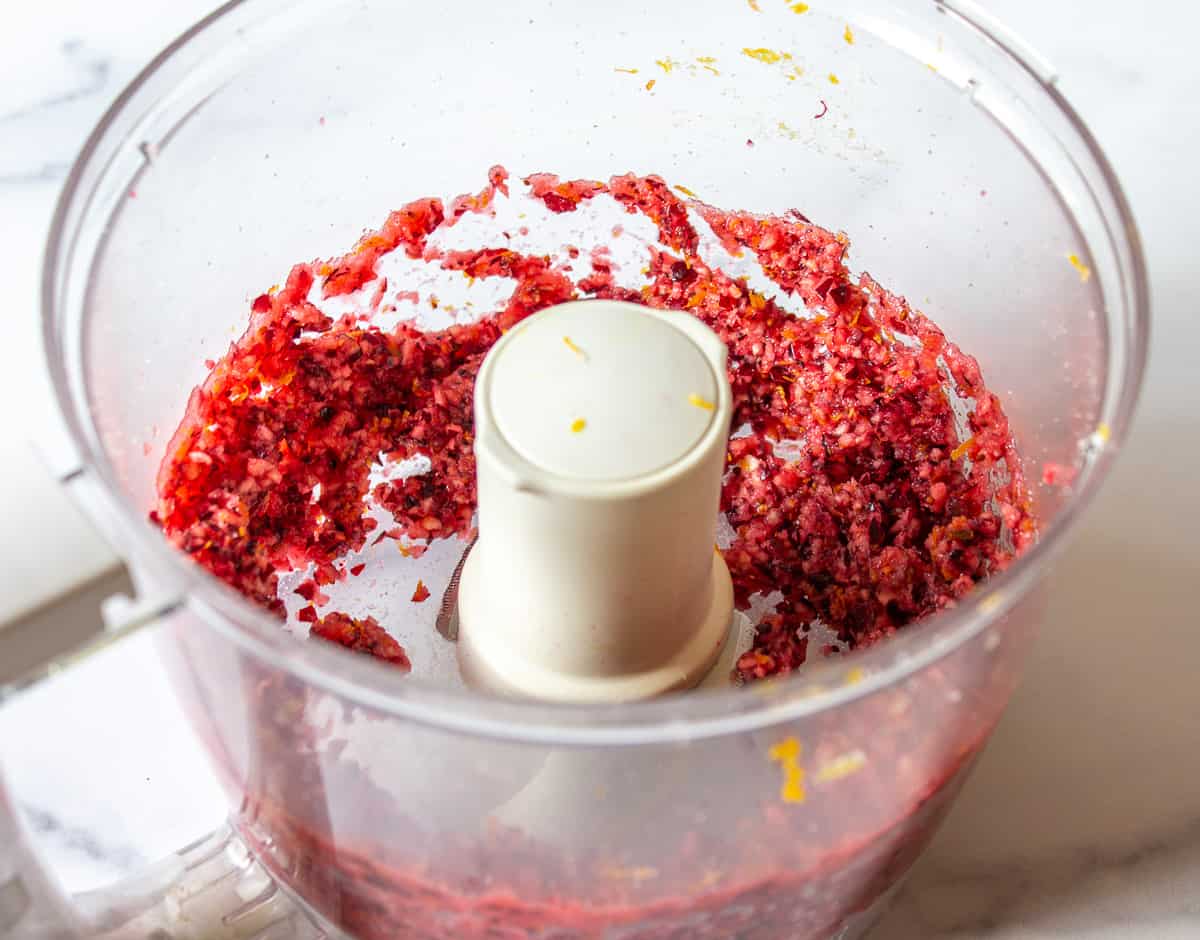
362 636
877 515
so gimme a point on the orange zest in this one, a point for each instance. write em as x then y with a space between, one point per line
962 449
575 349
769 56
787 754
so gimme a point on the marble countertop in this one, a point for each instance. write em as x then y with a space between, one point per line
1083 818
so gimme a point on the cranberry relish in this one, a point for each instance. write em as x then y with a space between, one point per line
873 515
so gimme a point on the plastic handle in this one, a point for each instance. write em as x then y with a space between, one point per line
30 904
213 889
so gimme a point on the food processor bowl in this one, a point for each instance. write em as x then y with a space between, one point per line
407 806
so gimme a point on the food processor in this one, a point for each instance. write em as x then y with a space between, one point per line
507 787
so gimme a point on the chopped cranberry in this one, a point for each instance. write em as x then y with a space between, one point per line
362 636
876 516
851 494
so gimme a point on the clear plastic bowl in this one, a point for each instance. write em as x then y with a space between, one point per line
275 131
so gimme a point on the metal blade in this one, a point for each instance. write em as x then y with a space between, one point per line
447 618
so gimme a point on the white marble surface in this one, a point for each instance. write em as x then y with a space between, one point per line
1083 819
61 63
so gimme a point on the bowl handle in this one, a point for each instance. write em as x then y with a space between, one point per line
214 889
30 903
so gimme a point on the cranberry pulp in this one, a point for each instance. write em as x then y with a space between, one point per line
872 477
872 480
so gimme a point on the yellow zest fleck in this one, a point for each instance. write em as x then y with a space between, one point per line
666 64
961 450
841 767
833 79
848 35
325 270
855 676
701 402
1103 432
709 63
793 73
273 289
1085 272
769 56
787 754
798 7
578 425
626 71
754 6
931 67
574 348
650 85
403 550
787 131
640 873
687 192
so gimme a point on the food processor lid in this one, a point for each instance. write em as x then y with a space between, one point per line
84 468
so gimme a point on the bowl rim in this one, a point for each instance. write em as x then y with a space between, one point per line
821 686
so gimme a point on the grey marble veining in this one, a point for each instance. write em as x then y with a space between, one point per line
87 78
1093 892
